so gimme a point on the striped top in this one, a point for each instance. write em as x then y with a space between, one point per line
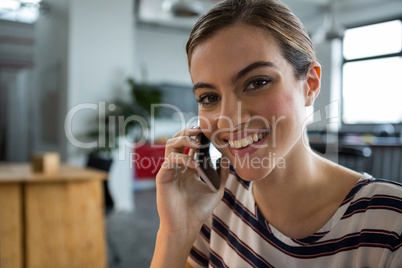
365 231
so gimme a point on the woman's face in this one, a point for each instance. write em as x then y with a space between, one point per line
251 106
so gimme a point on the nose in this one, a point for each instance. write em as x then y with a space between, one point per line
233 113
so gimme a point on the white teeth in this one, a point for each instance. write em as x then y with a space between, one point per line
255 137
237 144
246 141
231 143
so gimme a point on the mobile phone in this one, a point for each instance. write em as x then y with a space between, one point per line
207 172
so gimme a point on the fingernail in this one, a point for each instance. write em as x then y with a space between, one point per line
195 127
195 143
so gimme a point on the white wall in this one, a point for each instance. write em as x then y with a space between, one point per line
161 51
100 59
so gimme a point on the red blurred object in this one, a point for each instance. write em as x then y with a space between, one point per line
147 160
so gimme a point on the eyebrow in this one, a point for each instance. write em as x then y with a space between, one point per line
239 75
202 85
251 67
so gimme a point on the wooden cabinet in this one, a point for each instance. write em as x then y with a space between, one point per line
51 220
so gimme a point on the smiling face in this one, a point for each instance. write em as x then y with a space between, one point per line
251 106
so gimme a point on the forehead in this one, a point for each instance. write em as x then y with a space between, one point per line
233 47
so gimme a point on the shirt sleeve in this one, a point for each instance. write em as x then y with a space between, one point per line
199 254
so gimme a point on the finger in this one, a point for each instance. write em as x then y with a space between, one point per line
188 131
191 153
179 144
177 160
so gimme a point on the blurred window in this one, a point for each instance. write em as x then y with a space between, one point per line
25 11
372 74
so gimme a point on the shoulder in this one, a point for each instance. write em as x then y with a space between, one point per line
370 219
370 187
376 201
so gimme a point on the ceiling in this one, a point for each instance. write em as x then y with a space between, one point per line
311 12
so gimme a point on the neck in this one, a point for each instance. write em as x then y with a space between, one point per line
299 199
298 183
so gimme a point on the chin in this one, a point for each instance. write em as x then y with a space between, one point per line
254 170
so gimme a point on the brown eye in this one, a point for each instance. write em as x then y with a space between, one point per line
208 99
258 83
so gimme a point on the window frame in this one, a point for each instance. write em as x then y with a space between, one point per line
366 127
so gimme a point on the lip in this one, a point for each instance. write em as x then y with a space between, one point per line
250 148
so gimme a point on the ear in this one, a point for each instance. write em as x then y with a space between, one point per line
312 83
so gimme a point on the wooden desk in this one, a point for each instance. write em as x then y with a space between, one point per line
51 220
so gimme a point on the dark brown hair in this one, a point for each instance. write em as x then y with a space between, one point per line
270 15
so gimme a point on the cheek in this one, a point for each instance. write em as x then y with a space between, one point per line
273 107
283 113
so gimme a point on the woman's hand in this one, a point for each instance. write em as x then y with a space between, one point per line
184 201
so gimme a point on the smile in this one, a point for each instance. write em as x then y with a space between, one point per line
244 142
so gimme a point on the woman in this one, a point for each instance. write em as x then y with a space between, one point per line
254 71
